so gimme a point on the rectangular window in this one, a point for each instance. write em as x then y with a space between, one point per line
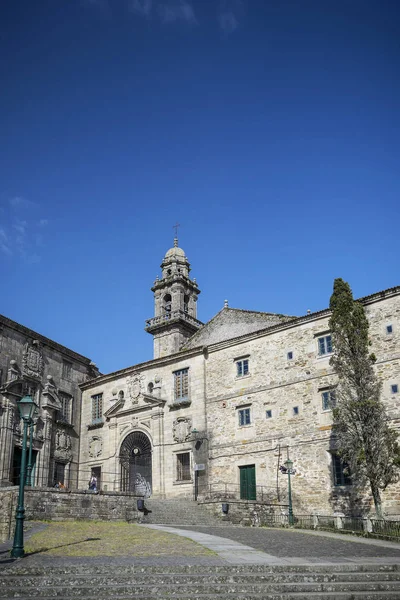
244 417
395 388
183 467
59 474
328 399
268 414
325 345
181 384
65 414
295 411
66 369
389 329
97 408
341 473
242 367
290 355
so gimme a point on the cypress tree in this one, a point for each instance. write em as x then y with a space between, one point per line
365 440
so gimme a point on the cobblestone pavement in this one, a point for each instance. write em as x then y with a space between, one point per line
314 546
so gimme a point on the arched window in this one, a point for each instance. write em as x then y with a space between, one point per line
167 306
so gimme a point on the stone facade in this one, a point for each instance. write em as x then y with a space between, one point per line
258 390
51 374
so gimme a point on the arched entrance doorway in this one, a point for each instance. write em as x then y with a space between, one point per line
135 459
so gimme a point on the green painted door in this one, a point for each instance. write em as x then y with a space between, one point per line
248 482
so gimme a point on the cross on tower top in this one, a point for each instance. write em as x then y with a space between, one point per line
176 233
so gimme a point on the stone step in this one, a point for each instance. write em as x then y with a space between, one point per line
18 568
77 589
255 582
198 579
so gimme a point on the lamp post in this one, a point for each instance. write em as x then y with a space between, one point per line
30 465
289 466
26 407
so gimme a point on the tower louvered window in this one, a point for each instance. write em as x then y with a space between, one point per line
182 384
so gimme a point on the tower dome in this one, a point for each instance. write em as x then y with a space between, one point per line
175 251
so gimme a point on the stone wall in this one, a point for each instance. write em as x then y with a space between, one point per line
247 514
283 392
62 505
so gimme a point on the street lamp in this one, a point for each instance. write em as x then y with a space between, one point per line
289 467
27 408
30 465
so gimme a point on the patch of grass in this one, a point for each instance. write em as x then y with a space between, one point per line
100 538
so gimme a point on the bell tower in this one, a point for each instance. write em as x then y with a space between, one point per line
175 304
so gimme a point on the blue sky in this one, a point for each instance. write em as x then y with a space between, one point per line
268 130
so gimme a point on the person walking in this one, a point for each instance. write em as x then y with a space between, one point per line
93 483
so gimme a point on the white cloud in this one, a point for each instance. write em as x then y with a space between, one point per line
21 229
142 7
171 12
4 245
18 202
229 14
228 22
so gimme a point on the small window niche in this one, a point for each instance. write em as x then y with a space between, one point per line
290 355
389 329
268 413
295 411
394 388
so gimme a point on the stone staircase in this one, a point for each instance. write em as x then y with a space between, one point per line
179 511
93 582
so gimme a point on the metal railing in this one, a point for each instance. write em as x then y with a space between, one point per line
234 491
388 528
77 479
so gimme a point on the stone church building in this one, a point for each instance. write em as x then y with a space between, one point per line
215 413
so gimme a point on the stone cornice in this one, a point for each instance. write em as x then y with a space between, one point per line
44 340
135 369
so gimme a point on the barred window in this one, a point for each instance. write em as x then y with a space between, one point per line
181 384
65 413
183 467
97 408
